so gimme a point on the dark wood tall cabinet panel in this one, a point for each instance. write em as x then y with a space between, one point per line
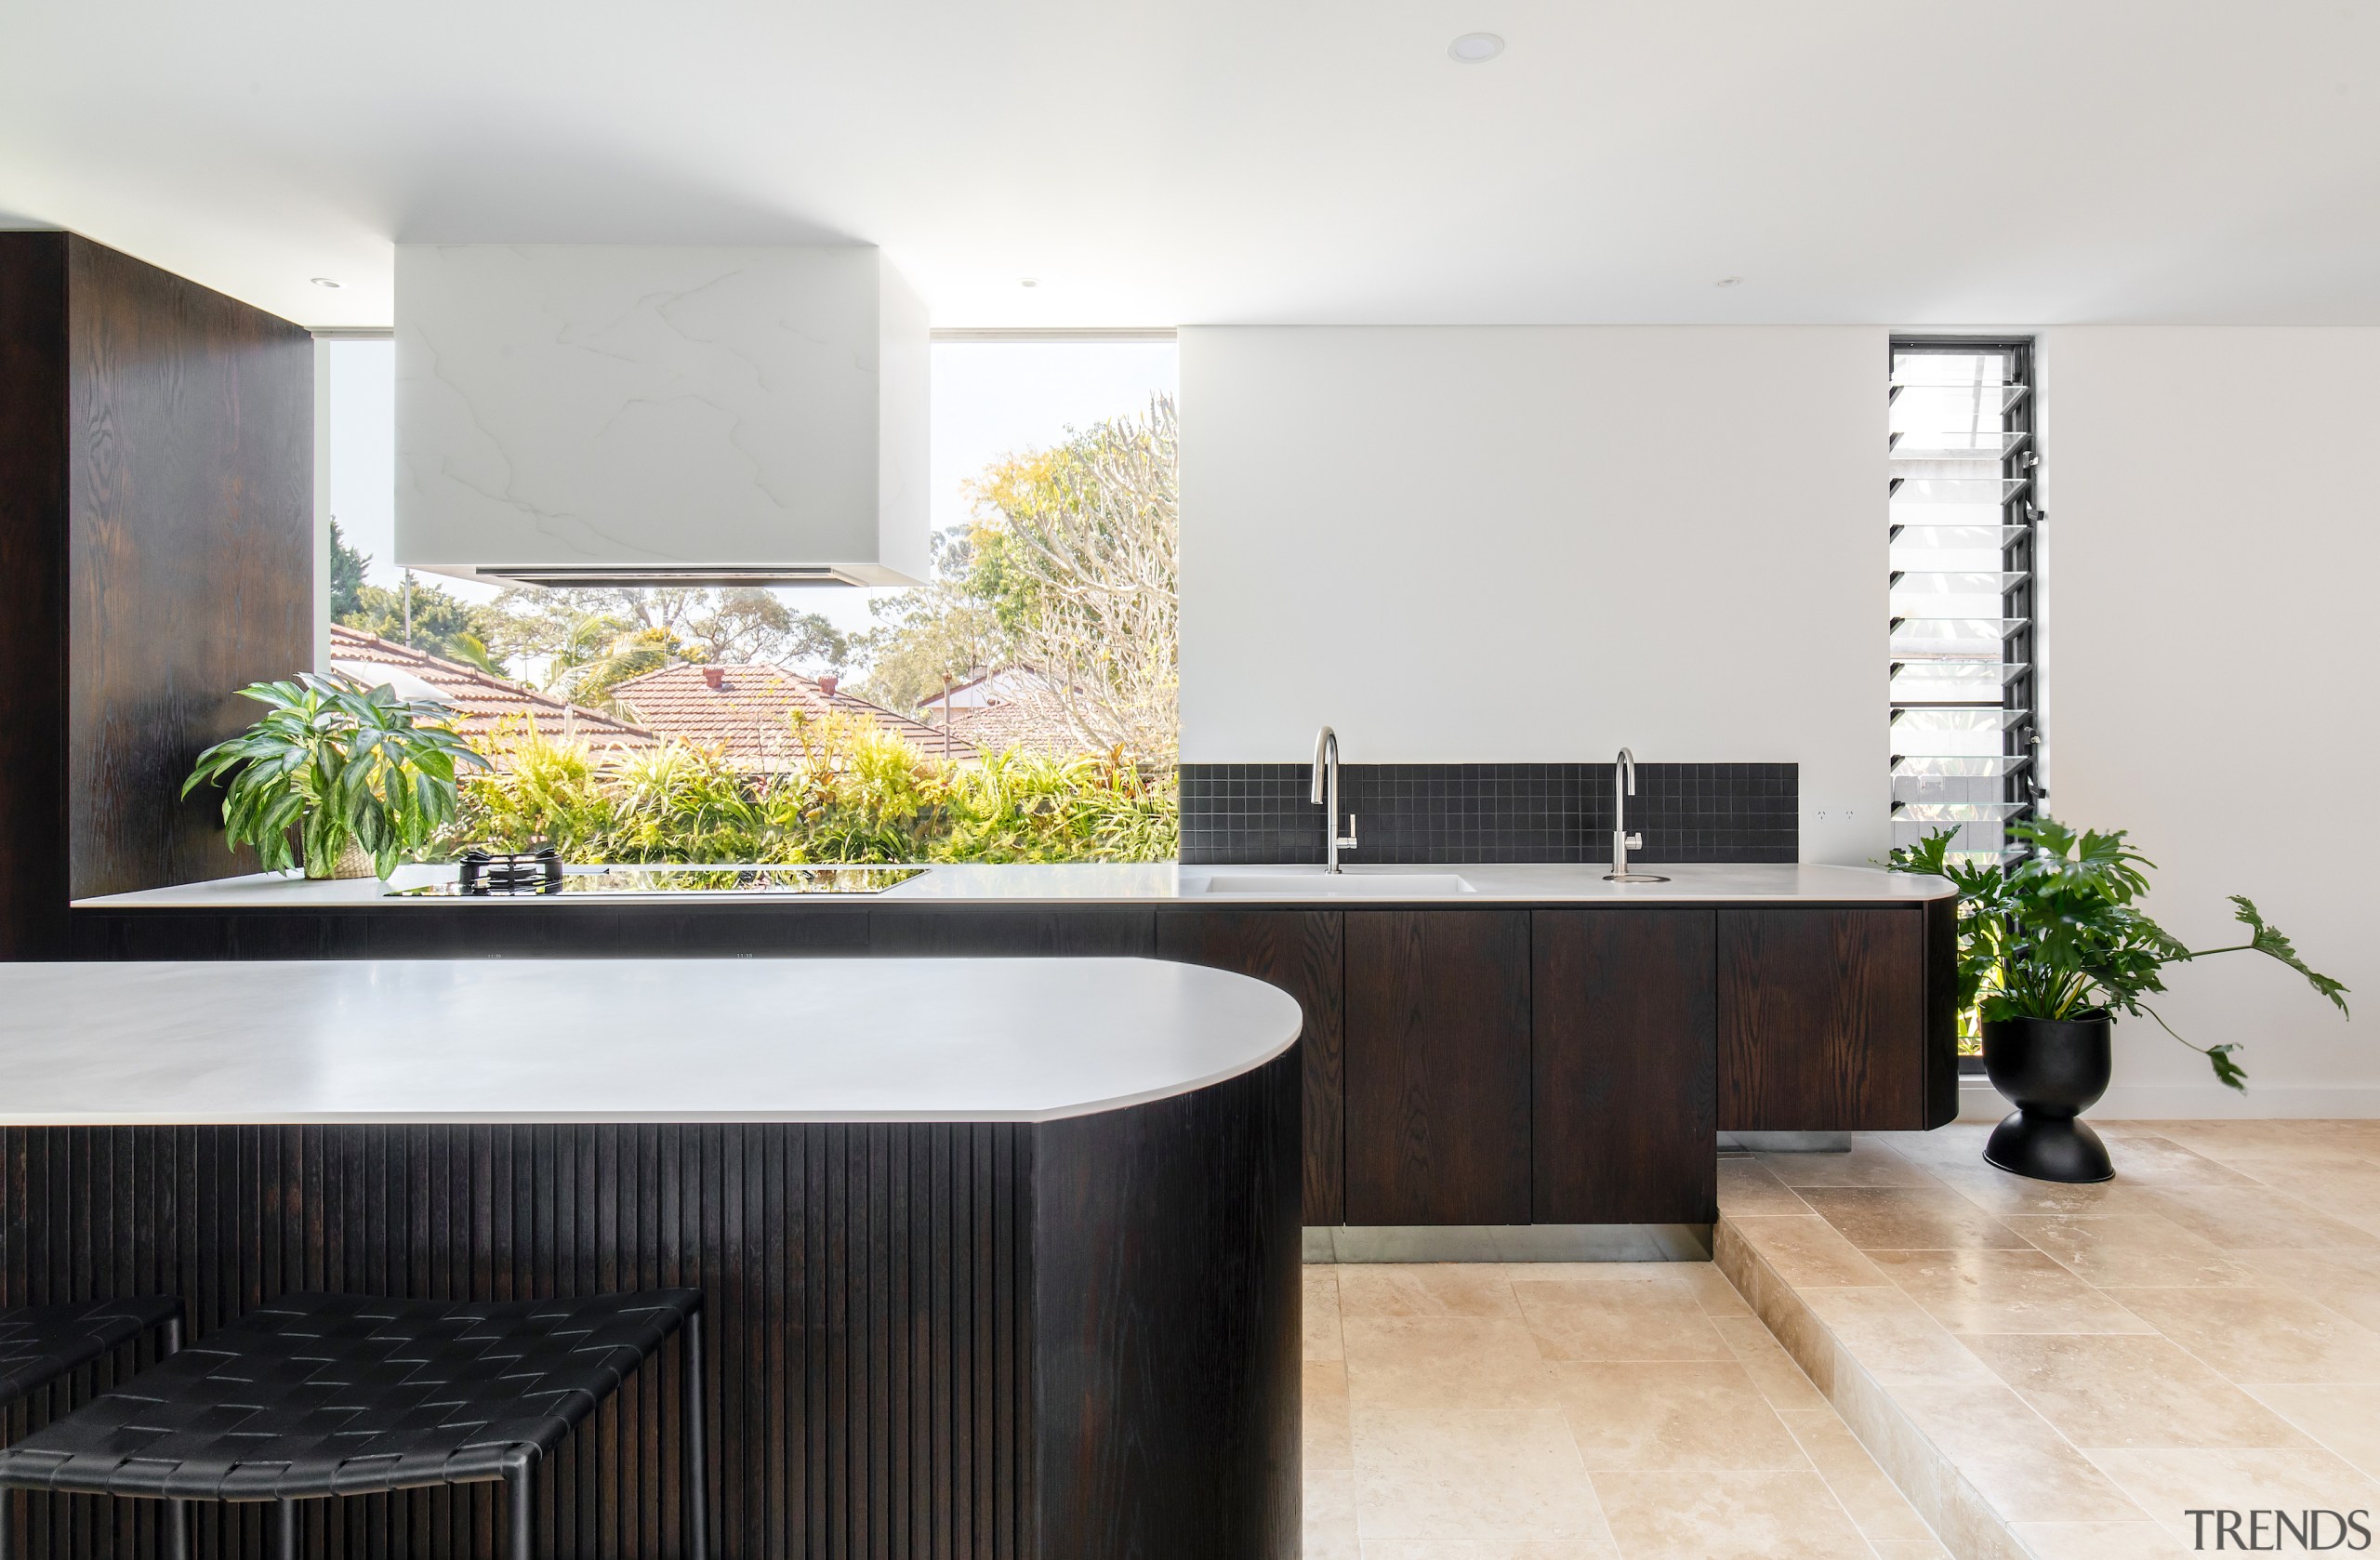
1437 1066
157 524
1302 952
1941 1012
1625 1058
33 562
1822 1020
193 565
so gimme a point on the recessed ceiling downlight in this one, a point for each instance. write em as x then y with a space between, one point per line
1474 48
325 282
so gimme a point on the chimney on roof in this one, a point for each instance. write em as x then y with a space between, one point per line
714 676
827 682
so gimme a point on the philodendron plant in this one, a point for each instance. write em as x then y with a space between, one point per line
2058 932
333 763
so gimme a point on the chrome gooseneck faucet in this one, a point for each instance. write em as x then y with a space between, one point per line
1623 785
1325 795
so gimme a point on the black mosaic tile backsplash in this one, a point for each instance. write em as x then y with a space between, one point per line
1455 813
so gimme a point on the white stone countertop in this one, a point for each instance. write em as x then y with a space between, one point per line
621 1040
1149 883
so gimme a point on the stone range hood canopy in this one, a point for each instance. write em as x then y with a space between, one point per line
639 415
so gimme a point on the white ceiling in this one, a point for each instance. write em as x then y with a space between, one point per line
1183 161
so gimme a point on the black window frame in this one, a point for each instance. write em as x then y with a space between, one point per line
2021 555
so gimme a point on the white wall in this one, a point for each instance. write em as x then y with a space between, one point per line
1536 544
2215 544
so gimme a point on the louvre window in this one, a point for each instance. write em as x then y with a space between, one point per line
1964 467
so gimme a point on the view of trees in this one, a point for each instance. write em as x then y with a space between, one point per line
443 624
947 629
579 644
1067 568
590 640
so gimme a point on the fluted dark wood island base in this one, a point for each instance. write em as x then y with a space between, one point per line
1000 1257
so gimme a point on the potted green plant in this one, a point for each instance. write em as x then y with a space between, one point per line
2053 947
344 778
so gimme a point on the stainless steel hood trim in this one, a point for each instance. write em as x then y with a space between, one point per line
1031 334
640 574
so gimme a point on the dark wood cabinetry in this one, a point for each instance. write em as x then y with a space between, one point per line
1060 931
1624 1053
1048 1341
1437 1066
1303 953
1822 1019
156 533
1941 1045
1564 1065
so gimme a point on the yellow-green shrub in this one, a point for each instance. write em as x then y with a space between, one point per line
857 794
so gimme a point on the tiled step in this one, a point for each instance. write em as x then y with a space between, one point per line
1965 1449
2063 1373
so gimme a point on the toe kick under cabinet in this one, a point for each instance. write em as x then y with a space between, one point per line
1571 1066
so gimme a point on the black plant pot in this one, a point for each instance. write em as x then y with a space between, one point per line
2054 1069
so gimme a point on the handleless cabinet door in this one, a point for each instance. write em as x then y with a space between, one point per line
1624 1111
1011 931
1301 952
1822 1021
1437 1067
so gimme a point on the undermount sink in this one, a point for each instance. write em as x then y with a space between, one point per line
1347 885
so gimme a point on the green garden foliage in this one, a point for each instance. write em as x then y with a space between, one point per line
861 793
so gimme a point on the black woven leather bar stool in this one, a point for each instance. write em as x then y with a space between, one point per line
43 1343
316 1395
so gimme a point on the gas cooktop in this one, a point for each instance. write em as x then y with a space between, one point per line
479 876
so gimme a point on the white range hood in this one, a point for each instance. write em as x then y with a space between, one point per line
620 414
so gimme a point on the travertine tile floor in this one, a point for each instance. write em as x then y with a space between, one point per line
2057 1373
2063 1371
1591 1411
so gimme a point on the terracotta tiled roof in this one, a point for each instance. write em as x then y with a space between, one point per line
1032 721
747 711
482 705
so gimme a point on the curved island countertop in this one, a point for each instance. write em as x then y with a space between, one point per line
1015 1240
626 1040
